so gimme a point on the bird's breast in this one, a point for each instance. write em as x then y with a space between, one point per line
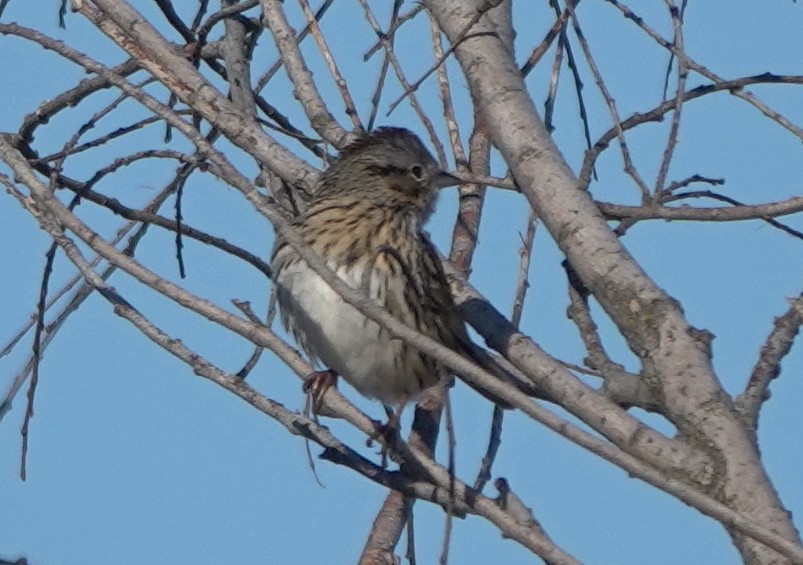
346 341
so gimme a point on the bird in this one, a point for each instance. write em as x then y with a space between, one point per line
366 221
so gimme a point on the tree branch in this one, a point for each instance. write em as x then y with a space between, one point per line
768 368
305 88
470 372
676 362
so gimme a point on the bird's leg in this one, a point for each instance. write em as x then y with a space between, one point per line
394 417
316 384
389 431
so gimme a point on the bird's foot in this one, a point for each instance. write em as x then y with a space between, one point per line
316 384
388 432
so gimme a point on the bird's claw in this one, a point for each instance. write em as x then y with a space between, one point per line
316 384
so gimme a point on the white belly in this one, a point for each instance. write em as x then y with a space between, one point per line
344 340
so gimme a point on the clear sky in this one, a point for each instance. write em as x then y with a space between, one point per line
134 460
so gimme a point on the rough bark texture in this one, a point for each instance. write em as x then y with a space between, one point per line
712 463
675 356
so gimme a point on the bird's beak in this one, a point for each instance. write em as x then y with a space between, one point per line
443 179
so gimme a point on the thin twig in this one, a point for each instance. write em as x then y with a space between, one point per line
396 23
245 307
166 6
540 50
203 30
452 466
698 68
323 47
305 87
672 140
630 168
525 256
739 211
271 72
482 9
383 71
622 387
571 62
768 367
469 371
394 61
445 90
554 81
69 98
657 114
522 284
92 144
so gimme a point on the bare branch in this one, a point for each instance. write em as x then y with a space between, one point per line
622 387
447 489
271 72
126 27
738 212
386 530
469 371
409 89
541 49
630 168
351 108
201 90
657 114
238 68
693 65
768 368
652 322
383 72
554 382
305 88
671 142
394 61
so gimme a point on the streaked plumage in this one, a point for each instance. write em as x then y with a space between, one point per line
366 221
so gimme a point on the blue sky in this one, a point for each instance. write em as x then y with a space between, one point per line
133 459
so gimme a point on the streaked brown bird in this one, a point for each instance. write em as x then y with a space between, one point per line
366 221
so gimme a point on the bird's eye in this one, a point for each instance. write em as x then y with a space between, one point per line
417 172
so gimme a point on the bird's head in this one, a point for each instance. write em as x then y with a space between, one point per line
390 166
